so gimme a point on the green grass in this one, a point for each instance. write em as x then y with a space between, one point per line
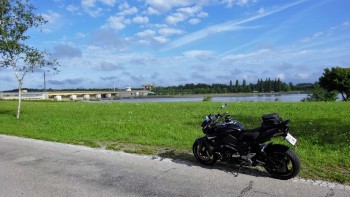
169 129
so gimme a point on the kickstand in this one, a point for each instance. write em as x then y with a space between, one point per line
240 166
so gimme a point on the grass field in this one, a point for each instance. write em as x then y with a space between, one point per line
322 129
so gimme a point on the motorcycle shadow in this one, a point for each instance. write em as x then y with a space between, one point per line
189 160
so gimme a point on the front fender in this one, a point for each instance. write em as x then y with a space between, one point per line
203 142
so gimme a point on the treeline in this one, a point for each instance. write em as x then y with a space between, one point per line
262 86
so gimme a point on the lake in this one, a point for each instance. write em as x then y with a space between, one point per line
252 98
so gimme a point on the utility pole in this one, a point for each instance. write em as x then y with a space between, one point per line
44 82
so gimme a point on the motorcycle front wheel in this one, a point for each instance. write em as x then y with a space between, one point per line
203 155
282 162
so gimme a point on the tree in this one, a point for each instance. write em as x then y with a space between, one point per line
244 86
237 86
278 85
260 85
16 17
291 86
320 94
336 79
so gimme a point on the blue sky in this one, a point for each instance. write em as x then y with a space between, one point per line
100 43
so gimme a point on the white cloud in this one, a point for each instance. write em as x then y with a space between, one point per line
116 22
306 40
190 10
166 5
51 17
152 11
282 59
261 11
80 35
175 18
280 76
183 14
230 3
109 3
202 14
123 6
46 30
161 39
140 19
194 53
204 33
227 26
303 76
144 42
72 8
90 7
129 11
315 36
125 9
243 2
146 33
248 56
87 4
318 34
197 54
194 21
169 31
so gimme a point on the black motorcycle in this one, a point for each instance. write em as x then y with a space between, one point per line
227 140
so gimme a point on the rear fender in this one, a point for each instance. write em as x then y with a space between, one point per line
266 149
273 147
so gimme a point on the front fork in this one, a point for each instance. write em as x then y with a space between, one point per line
203 142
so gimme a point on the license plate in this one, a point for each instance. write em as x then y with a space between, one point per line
291 139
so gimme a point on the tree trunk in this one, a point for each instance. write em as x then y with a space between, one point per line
19 99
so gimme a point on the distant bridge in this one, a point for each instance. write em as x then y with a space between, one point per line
76 95
87 95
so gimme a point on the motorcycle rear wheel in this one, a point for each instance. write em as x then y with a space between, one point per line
202 154
282 162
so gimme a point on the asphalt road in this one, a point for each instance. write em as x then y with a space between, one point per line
38 168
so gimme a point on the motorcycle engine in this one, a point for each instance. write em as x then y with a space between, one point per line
228 152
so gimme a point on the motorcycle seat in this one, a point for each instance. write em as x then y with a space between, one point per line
249 134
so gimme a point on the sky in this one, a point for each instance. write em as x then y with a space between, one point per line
119 43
